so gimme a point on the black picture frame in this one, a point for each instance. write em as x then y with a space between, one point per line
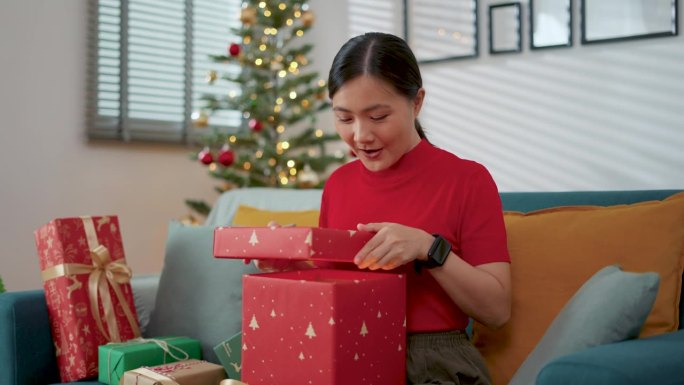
551 24
441 33
604 22
508 27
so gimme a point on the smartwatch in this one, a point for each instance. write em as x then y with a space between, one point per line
438 253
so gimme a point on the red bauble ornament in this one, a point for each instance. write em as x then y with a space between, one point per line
234 49
226 156
255 125
205 156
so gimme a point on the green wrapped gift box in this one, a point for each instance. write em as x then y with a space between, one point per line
229 353
116 358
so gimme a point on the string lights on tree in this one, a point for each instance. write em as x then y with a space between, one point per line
279 144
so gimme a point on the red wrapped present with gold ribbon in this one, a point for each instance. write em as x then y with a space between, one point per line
87 289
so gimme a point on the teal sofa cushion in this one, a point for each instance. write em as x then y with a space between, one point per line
610 307
654 360
26 340
199 296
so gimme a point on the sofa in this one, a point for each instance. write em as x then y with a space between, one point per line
27 354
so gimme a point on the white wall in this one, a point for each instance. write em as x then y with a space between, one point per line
47 167
590 117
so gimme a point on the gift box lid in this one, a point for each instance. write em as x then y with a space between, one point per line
295 243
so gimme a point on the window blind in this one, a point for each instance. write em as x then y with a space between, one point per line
375 16
149 62
442 29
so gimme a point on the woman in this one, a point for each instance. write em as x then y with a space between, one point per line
436 217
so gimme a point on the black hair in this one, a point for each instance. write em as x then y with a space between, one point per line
381 55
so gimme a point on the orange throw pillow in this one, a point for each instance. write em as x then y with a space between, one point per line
554 251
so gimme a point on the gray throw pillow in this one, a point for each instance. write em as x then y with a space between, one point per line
144 294
199 296
610 307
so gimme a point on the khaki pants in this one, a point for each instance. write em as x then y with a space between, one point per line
447 358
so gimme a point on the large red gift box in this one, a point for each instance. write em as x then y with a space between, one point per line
300 243
87 290
324 327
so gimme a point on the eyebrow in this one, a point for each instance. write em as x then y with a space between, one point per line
367 109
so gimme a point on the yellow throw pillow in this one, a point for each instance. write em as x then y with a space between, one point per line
249 216
554 251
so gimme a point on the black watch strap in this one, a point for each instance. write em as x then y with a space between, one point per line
436 256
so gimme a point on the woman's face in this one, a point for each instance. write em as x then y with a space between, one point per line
376 121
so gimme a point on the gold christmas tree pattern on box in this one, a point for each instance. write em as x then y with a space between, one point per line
280 143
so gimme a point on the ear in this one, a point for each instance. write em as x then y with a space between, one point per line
418 101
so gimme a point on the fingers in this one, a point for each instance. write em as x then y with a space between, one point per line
375 254
372 227
364 257
392 246
372 244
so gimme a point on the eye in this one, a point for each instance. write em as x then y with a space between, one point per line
344 119
379 117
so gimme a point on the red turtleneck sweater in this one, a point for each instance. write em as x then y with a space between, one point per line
430 189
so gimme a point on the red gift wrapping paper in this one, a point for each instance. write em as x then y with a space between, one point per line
324 327
297 243
87 290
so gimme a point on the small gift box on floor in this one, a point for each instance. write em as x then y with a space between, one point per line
297 243
191 372
229 353
117 358
87 290
324 327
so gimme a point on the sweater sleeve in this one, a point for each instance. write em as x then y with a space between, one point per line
483 237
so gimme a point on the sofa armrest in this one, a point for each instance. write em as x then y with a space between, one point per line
654 360
27 354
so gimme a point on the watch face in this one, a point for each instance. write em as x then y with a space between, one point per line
438 252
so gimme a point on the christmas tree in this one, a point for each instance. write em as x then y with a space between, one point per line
279 144
310 332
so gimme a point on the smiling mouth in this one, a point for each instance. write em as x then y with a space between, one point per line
371 153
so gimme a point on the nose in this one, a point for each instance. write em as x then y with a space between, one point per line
362 132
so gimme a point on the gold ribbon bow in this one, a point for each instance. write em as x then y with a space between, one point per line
103 274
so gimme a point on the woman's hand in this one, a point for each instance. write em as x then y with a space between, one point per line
392 246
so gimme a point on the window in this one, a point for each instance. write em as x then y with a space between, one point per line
148 67
374 16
